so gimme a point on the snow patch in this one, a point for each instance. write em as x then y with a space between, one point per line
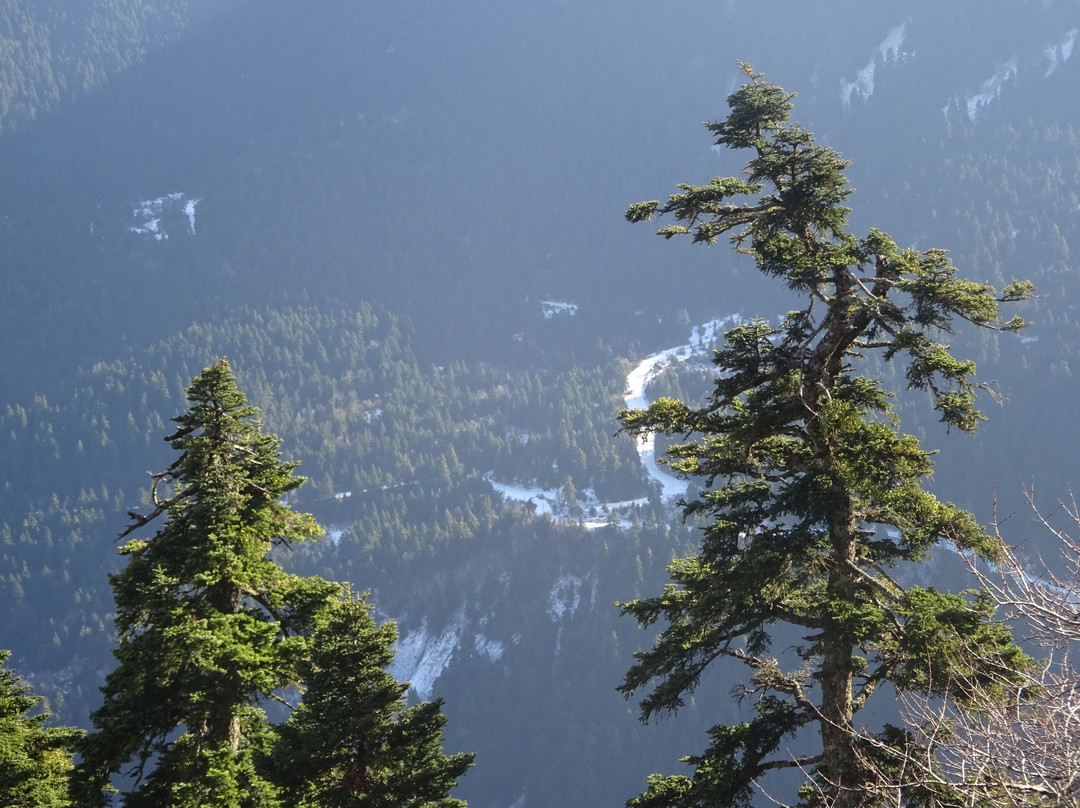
888 50
189 211
516 433
591 513
553 307
543 499
492 649
422 656
991 88
1056 55
863 85
552 502
565 597
150 213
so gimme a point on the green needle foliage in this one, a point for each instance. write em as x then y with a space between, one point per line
353 743
34 760
210 627
811 491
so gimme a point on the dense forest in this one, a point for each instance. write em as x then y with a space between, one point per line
54 52
403 226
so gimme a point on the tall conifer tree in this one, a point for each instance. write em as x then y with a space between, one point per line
210 627
811 492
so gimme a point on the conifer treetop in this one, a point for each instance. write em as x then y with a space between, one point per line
210 627
811 492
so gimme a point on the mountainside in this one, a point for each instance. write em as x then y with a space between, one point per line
52 52
403 224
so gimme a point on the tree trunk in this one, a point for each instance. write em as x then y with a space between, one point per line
845 772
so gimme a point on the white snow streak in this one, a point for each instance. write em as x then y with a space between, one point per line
1054 56
553 307
1058 54
890 45
991 88
888 50
565 597
189 211
863 85
552 502
701 340
422 657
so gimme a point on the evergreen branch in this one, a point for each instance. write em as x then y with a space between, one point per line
139 521
863 694
768 676
802 763
892 593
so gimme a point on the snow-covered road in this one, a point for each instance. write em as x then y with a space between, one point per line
701 341
550 501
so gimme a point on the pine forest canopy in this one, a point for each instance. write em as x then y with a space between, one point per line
56 50
811 493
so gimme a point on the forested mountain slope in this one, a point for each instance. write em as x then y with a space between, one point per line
397 456
382 213
52 52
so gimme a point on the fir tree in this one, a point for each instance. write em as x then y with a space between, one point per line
210 627
811 491
34 759
353 743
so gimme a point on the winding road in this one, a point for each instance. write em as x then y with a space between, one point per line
701 340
